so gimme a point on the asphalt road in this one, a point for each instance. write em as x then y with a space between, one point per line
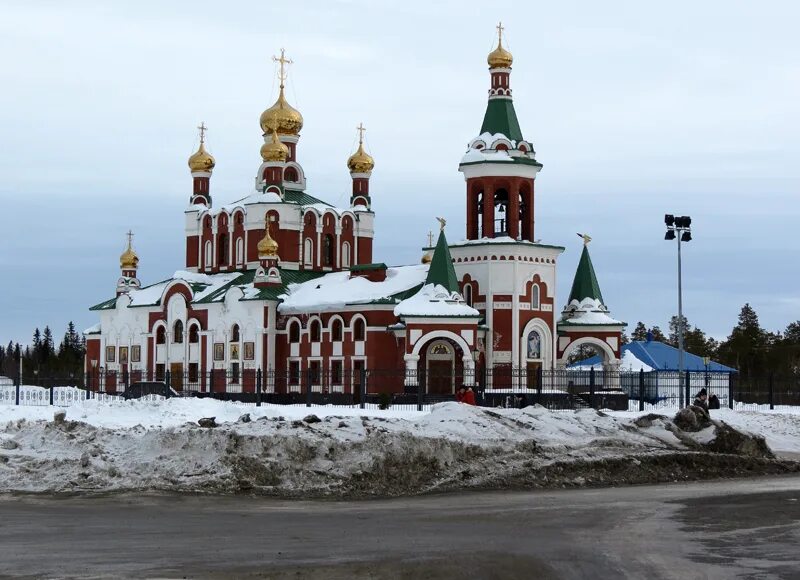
734 529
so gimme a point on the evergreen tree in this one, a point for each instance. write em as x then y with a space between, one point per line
640 332
673 330
658 335
746 347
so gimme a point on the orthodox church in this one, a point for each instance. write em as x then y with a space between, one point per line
284 282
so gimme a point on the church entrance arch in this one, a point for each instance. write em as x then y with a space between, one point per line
440 368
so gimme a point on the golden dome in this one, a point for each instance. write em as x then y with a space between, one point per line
360 161
281 116
201 160
500 57
426 258
267 247
274 150
129 260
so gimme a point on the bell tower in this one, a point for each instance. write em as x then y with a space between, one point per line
500 166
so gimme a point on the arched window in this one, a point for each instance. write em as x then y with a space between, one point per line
346 255
315 330
468 294
235 333
290 174
359 329
336 330
209 255
535 297
239 251
194 334
534 345
222 258
177 332
294 332
308 252
327 256
161 335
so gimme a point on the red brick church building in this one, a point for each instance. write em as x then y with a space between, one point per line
286 283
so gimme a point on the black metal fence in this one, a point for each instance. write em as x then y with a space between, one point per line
383 388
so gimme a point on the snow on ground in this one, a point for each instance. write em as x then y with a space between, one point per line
158 445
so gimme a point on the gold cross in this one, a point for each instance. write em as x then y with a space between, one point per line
284 61
360 130
203 130
130 238
499 32
430 238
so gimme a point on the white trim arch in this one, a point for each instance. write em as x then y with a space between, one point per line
433 334
606 352
548 354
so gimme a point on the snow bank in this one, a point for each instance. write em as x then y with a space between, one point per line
280 450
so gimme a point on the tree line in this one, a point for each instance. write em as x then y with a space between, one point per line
749 348
43 357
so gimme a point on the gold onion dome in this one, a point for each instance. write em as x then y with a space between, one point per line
360 161
267 247
274 150
201 160
426 258
500 57
282 116
128 260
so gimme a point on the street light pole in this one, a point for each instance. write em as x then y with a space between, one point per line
679 228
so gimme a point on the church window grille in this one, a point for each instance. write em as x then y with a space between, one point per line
194 334
328 250
177 332
535 297
468 294
336 330
161 335
359 329
294 332
235 333
315 330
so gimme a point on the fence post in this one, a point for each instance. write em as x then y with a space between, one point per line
688 387
308 387
51 395
362 388
730 390
89 391
17 382
641 389
167 378
539 379
420 394
771 392
258 388
591 388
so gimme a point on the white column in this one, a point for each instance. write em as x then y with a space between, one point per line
412 378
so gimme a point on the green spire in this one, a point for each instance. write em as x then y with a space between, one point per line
500 117
585 284
441 270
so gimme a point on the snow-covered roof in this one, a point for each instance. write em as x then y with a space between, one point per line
435 300
588 312
338 289
478 155
629 362
93 329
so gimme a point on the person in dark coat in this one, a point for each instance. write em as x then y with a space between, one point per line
701 400
460 394
469 396
713 402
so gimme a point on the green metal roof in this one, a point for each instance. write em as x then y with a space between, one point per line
362 267
287 277
302 198
441 270
501 117
585 284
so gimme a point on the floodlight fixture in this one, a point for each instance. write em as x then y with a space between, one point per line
669 219
670 235
685 237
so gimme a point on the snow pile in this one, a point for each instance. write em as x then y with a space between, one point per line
280 450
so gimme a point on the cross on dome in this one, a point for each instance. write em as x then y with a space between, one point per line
500 32
202 128
282 74
130 238
361 130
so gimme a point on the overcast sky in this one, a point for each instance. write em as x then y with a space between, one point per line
635 110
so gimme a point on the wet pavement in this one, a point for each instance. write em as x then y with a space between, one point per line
726 529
